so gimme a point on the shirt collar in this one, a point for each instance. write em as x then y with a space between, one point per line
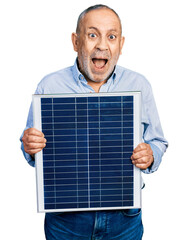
78 76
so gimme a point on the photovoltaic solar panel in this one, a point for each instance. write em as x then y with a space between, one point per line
86 163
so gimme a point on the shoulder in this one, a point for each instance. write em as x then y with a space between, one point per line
131 76
128 80
56 75
55 80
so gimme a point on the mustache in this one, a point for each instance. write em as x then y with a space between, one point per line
101 54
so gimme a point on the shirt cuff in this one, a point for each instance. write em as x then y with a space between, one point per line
157 154
28 157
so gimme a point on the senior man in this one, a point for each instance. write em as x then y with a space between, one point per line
98 42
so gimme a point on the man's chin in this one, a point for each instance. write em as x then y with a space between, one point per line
98 77
98 80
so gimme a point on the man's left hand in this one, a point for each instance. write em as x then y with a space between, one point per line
142 156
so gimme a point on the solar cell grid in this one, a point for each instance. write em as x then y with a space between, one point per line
86 162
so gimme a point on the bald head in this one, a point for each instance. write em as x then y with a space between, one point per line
92 8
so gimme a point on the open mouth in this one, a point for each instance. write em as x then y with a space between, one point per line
99 62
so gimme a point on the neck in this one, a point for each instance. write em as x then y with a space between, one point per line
96 85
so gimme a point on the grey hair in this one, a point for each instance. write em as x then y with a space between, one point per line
95 7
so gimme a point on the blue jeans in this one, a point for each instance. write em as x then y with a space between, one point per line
100 225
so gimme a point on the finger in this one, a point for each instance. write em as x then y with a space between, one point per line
140 147
35 145
36 139
140 154
34 151
144 162
34 131
33 148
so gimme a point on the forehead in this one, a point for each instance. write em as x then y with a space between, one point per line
102 19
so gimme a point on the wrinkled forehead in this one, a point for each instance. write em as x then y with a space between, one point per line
102 19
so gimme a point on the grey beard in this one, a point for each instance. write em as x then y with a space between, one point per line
99 81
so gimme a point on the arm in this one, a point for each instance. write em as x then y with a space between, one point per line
148 155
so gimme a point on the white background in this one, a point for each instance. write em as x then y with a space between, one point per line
36 40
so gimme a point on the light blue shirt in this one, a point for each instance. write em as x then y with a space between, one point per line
70 80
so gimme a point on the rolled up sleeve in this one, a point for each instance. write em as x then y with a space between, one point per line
152 131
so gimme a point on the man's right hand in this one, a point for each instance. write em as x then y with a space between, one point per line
33 141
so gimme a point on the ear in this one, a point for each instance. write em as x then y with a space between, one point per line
75 41
121 44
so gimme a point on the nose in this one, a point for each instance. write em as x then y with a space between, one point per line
102 44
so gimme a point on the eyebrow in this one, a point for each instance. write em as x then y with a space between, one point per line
96 29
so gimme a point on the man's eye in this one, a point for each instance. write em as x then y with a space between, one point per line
92 35
111 37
